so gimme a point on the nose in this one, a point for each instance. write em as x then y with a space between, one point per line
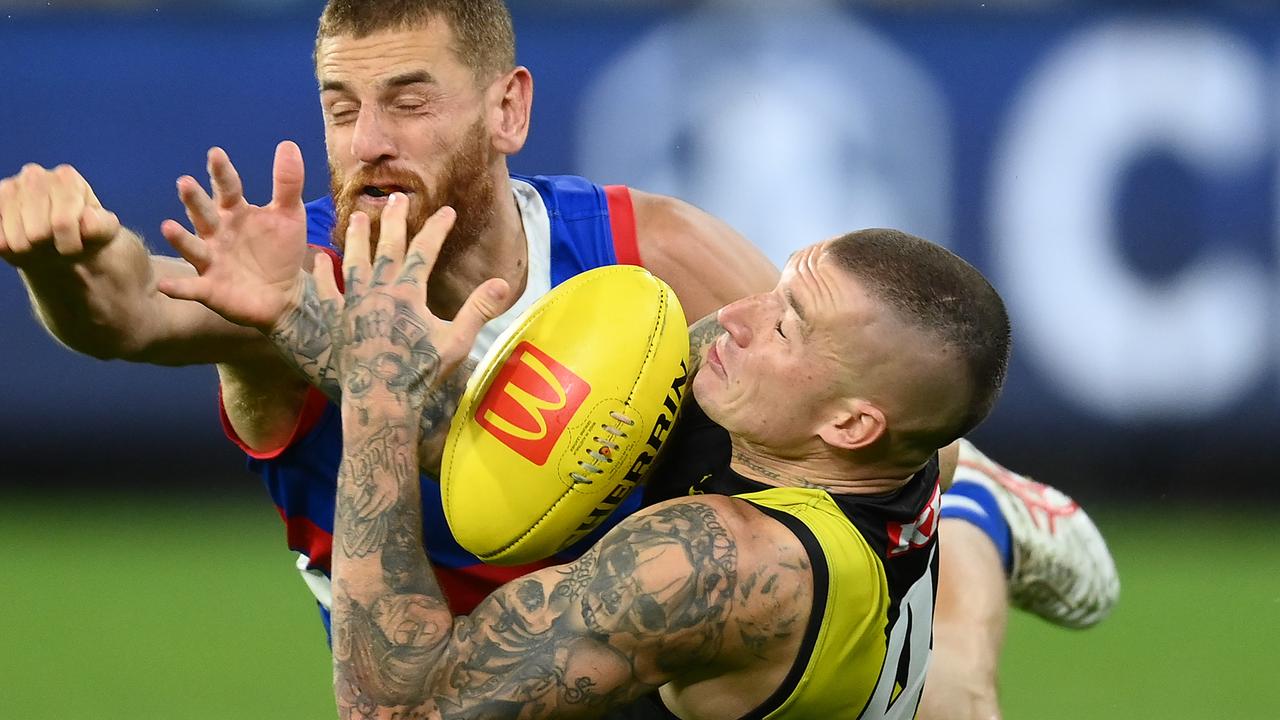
371 140
735 318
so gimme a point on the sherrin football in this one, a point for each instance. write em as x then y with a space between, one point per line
564 415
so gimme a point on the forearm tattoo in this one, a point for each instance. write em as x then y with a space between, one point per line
651 599
390 617
306 337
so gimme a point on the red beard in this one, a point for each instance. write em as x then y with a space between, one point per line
465 185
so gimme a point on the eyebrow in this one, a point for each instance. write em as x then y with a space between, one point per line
398 81
805 327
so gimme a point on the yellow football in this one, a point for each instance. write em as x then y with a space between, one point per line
564 415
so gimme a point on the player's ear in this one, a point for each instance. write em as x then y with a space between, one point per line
509 102
856 424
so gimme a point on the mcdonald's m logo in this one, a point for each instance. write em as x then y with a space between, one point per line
531 402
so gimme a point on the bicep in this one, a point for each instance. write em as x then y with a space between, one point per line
528 648
647 602
706 262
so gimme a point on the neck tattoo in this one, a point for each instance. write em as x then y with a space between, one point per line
770 475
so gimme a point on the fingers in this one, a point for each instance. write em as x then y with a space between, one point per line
189 288
15 237
325 273
228 192
66 205
33 183
49 209
97 224
425 247
391 240
192 249
485 303
201 210
355 261
287 176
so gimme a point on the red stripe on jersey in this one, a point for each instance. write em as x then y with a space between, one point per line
309 539
337 265
622 221
313 404
465 587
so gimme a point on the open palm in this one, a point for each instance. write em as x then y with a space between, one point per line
248 259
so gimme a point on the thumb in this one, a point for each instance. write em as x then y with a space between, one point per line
287 176
484 304
98 226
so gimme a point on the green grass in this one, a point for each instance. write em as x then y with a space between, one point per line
186 608
1196 633
174 609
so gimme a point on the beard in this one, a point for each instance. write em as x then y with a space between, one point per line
465 184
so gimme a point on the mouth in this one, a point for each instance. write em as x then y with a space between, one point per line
378 194
713 359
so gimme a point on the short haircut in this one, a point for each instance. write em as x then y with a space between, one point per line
483 35
934 290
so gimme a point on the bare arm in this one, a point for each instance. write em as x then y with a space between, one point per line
706 262
92 283
650 602
654 600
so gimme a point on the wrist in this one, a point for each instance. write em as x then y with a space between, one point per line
379 409
293 301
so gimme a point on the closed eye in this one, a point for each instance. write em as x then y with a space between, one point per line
778 328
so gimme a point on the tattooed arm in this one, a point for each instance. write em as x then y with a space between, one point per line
248 263
701 335
649 603
310 329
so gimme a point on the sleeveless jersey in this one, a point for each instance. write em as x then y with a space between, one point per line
874 562
572 226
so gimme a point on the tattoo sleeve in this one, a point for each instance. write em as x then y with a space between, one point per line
306 337
701 335
649 601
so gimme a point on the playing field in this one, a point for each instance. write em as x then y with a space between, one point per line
189 608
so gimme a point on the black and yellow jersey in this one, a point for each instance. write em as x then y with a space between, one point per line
874 562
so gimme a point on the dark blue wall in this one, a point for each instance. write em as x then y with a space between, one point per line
1113 171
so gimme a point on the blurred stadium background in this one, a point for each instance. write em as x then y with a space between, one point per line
1113 168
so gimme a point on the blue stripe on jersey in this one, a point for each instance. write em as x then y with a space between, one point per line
321 217
302 480
581 238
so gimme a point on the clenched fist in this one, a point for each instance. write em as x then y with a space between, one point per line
50 217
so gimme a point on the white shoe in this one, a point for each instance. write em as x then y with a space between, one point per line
1062 570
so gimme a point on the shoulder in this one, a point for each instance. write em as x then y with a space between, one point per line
707 262
668 229
752 578
722 518
729 552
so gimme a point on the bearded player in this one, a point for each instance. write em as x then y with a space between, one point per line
424 97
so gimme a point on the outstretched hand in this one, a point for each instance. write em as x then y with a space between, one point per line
393 349
249 259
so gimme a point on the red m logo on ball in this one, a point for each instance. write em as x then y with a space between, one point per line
530 402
